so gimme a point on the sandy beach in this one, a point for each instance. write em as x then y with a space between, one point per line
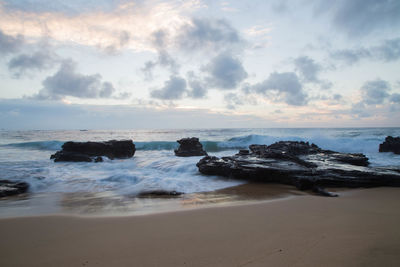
359 228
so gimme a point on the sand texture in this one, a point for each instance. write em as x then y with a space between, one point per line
359 228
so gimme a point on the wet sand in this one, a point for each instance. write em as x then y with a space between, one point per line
359 228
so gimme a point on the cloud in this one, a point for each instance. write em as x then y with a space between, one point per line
173 89
282 87
387 51
225 72
68 82
307 68
198 88
208 34
375 92
160 42
362 17
40 60
351 56
233 100
375 96
124 24
196 35
309 71
10 44
395 98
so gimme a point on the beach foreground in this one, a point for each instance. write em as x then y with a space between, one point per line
360 228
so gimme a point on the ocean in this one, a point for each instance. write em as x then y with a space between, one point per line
111 187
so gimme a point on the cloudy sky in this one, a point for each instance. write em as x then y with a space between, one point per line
105 64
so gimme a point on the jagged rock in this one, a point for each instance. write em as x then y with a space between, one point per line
159 194
190 147
391 144
9 188
306 166
92 151
70 156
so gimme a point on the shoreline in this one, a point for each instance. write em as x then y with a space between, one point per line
91 205
359 228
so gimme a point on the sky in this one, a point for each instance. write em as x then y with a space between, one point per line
122 64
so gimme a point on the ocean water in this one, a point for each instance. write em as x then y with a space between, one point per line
113 184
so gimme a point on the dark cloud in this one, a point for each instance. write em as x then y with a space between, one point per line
203 35
375 92
375 95
173 89
197 86
148 69
388 50
233 100
309 71
124 38
280 7
308 68
40 60
361 17
165 60
337 97
225 72
282 87
214 34
68 82
395 98
351 56
10 44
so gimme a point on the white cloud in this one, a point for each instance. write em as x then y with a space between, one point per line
68 82
128 25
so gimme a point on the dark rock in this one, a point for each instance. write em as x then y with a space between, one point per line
9 188
159 194
92 151
98 159
70 156
244 152
190 147
391 144
306 166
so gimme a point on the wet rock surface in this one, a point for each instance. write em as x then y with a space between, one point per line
189 147
159 194
305 166
391 144
10 188
93 151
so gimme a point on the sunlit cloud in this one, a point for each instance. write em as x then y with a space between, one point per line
129 25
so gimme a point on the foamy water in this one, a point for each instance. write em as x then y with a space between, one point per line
24 155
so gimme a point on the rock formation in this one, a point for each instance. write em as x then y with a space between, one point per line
93 151
190 147
10 188
301 164
391 144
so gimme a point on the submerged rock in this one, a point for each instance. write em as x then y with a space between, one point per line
92 151
306 166
391 144
9 188
190 147
159 194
